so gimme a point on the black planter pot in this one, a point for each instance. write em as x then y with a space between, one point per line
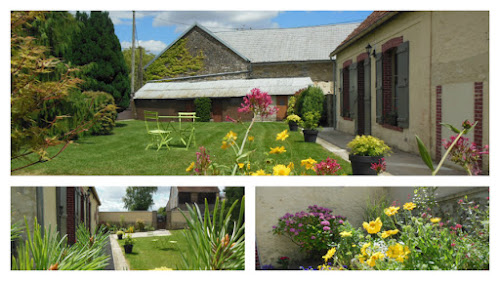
293 126
120 236
361 165
310 135
128 248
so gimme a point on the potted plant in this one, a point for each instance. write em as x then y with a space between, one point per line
310 123
119 234
128 244
293 121
366 150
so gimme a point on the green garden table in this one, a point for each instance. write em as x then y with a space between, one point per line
183 132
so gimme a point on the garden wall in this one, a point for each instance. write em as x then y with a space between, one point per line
273 202
129 218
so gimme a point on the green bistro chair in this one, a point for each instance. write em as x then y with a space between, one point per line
158 136
188 132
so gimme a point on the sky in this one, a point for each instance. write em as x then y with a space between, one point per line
156 30
111 198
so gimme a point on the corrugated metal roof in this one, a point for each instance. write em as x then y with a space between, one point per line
221 88
288 44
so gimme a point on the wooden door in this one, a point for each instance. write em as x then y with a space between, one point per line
282 104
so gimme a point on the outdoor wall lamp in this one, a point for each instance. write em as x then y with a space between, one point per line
368 49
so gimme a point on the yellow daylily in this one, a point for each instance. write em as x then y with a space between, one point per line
191 166
329 254
388 233
251 138
260 173
372 260
435 220
225 145
308 163
277 150
282 136
409 206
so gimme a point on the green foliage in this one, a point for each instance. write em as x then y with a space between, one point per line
128 240
368 146
103 109
210 245
44 250
31 88
176 61
374 209
98 49
139 198
291 106
162 211
15 231
55 30
139 224
310 120
311 99
203 108
146 58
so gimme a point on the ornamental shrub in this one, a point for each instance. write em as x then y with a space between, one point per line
368 146
314 230
103 106
311 99
203 109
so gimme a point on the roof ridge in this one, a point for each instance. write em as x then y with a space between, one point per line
283 28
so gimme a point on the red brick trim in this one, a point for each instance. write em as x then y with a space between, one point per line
347 118
362 57
70 210
392 43
478 115
394 128
346 63
439 120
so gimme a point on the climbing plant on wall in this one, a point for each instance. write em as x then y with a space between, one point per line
175 62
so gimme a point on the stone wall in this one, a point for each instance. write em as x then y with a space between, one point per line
129 218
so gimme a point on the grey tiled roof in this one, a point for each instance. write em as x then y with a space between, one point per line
287 44
221 88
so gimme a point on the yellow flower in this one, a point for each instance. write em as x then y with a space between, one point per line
231 136
409 206
435 220
225 145
361 259
373 226
372 260
398 252
329 254
281 170
241 165
251 138
191 166
391 211
308 163
248 166
163 268
290 165
346 233
277 150
364 247
282 136
388 233
260 173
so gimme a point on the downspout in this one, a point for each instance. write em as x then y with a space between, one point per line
334 93
431 127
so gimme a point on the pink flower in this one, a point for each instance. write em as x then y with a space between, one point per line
327 167
466 154
259 103
453 244
325 223
313 237
379 167
326 228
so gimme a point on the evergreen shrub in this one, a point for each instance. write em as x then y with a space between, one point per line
203 108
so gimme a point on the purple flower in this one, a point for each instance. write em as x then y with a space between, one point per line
292 229
313 237
326 228
325 223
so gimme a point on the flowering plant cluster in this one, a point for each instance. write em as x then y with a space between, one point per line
314 230
465 154
284 261
458 150
368 146
258 103
379 167
409 239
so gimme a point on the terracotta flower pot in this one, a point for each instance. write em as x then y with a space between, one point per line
361 165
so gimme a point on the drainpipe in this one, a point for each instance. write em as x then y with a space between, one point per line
334 93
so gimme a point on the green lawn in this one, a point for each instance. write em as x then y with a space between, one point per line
147 254
123 152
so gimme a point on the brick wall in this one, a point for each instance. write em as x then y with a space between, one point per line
478 115
70 221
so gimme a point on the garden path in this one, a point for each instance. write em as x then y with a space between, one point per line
119 261
398 163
